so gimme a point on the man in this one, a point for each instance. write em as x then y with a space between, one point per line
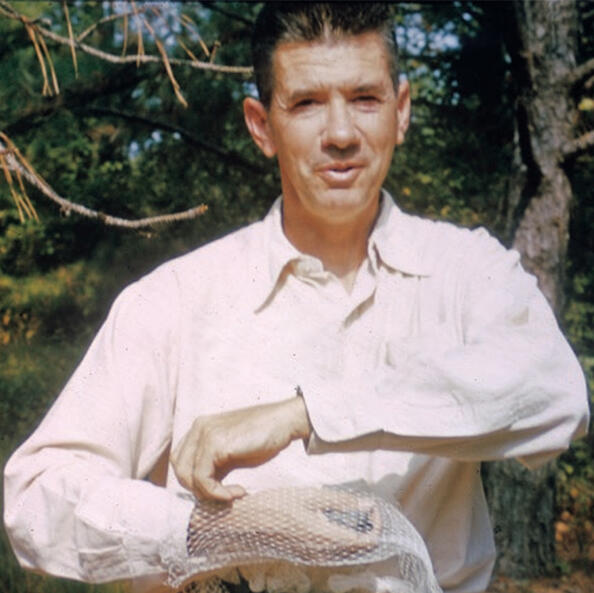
419 348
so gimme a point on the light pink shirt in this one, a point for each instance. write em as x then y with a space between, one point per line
443 355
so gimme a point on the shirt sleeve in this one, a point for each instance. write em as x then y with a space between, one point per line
76 501
509 386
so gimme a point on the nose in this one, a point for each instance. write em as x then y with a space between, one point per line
340 130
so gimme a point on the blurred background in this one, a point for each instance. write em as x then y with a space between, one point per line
120 111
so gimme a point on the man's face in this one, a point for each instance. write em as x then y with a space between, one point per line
333 122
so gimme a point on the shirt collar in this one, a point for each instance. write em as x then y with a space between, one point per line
277 253
394 242
396 239
281 251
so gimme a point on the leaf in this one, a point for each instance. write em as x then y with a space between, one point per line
51 65
125 42
163 52
46 90
71 36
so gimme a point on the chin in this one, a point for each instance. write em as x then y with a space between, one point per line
338 211
346 202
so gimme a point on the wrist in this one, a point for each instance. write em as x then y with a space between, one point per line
302 426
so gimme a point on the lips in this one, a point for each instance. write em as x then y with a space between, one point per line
340 174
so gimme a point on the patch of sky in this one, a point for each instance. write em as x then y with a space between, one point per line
250 90
414 39
135 147
133 150
154 102
156 137
444 40
418 40
162 16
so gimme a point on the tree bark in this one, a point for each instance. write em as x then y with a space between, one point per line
544 60
542 41
521 504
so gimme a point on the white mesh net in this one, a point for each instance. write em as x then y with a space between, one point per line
294 539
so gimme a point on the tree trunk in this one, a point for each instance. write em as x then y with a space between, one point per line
521 504
542 42
547 34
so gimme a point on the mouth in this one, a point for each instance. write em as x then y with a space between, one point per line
340 174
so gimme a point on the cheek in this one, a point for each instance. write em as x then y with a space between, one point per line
297 145
383 139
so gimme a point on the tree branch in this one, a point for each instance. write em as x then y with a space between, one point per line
581 73
16 162
228 156
232 15
579 145
106 19
9 12
76 95
142 59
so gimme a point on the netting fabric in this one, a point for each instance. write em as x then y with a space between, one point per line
293 539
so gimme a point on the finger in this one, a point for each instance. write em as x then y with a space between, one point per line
236 491
211 489
182 461
205 482
183 475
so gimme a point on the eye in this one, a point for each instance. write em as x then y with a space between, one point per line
367 100
305 103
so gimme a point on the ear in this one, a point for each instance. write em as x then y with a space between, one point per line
256 120
403 110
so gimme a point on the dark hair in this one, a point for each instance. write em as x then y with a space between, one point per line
280 22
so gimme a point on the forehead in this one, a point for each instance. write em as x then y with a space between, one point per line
360 60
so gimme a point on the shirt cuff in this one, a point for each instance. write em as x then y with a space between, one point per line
173 551
330 422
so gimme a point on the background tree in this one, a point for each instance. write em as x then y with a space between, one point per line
543 42
117 140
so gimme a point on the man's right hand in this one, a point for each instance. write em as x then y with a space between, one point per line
215 445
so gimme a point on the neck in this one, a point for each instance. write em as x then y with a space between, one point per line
340 246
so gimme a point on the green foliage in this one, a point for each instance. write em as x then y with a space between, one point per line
575 484
51 303
455 161
575 489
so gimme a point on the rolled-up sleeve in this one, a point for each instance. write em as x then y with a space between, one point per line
76 503
509 384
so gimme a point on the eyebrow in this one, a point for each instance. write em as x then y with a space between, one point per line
302 93
298 94
373 87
